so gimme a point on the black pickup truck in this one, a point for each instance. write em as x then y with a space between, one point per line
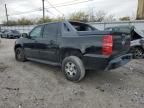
74 46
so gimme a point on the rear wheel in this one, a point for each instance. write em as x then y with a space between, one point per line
73 68
138 53
19 54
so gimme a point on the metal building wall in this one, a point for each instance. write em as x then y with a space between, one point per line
139 24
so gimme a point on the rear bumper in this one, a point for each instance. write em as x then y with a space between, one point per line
101 62
118 62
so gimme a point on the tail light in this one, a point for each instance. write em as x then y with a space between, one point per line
107 46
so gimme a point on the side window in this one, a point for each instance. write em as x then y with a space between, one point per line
50 31
36 32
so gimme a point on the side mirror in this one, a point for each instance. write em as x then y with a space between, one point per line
25 35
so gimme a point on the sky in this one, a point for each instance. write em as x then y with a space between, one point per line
118 8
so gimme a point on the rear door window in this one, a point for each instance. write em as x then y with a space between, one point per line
50 31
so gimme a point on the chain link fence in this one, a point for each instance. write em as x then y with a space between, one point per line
99 25
139 24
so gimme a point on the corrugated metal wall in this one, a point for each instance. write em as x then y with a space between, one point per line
99 25
139 24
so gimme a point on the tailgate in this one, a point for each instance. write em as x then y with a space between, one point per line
121 43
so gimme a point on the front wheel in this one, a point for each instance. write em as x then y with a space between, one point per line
7 36
73 68
19 55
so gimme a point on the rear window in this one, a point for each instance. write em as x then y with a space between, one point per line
82 26
50 30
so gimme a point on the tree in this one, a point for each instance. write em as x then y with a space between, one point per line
59 18
109 18
91 15
24 21
79 16
45 20
99 16
125 18
10 23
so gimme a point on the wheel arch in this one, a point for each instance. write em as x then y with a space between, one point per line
17 46
70 51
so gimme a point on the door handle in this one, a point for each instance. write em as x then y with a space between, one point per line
52 42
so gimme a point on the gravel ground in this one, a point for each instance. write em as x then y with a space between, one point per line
35 85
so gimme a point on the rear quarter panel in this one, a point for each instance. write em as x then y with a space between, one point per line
86 44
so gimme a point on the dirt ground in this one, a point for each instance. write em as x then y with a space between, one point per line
35 85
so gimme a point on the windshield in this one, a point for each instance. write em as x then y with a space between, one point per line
14 31
5 31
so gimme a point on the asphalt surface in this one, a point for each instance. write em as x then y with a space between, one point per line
35 85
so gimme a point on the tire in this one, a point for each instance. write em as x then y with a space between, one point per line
73 68
138 53
19 55
7 37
